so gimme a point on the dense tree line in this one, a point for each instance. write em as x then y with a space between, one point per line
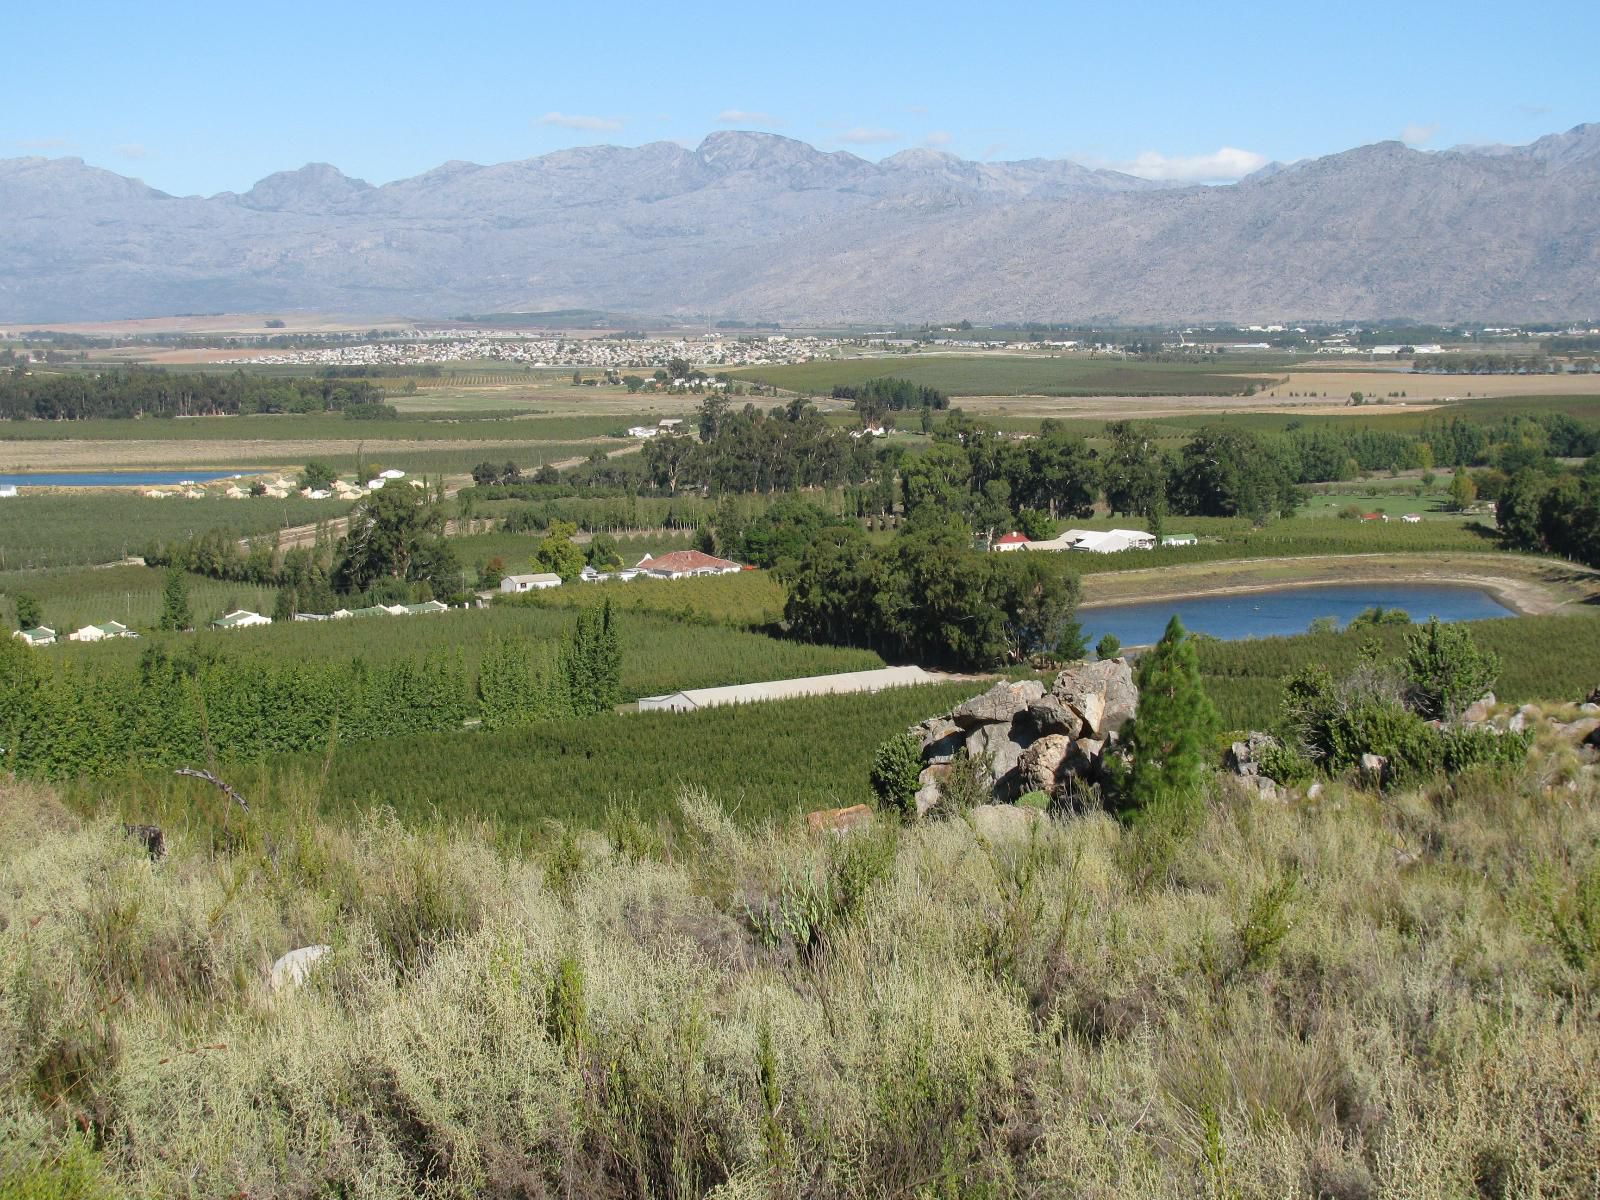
928 597
77 395
82 717
875 397
747 450
1556 512
1470 363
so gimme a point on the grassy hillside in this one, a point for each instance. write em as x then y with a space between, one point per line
1341 999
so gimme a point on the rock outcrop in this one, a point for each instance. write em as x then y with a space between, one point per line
1026 739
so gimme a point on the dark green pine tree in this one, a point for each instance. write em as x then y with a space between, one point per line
1171 738
609 657
175 614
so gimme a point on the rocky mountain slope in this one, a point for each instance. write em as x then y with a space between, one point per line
759 226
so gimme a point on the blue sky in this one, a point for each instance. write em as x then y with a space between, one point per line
211 97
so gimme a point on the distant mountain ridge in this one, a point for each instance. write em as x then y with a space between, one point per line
758 226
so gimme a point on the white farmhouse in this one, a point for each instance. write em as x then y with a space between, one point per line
529 583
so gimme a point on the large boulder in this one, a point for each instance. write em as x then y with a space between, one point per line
1041 763
999 705
1102 693
1048 715
1006 746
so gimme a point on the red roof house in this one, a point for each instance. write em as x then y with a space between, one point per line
681 564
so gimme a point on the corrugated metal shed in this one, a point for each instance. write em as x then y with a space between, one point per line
787 689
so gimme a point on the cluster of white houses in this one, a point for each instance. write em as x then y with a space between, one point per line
240 618
43 635
1096 541
680 564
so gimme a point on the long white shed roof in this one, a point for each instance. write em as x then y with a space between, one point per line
787 689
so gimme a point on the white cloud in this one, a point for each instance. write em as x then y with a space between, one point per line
582 123
46 143
132 150
741 116
1224 165
937 139
867 136
1417 134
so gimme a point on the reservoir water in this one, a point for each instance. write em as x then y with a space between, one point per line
1285 611
112 478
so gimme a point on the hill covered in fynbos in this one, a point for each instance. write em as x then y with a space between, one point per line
1343 997
758 226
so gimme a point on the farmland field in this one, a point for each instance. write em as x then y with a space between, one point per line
757 760
132 595
659 654
96 525
1014 375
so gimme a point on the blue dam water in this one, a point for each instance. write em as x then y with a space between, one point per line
1285 611
112 478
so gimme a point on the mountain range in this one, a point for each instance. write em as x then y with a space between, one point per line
762 227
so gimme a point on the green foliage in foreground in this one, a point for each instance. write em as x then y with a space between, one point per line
1285 1008
1170 739
1549 657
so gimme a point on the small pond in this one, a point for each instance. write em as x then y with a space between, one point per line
112 478
1285 611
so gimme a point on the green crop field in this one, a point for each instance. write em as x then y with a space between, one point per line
758 760
659 654
1010 375
95 525
749 598
91 596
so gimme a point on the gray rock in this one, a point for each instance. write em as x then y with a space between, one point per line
1579 731
294 968
998 705
1315 791
934 729
1041 763
1049 715
1000 741
1374 768
1263 787
945 749
927 798
1084 758
1589 708
998 822
1478 711
1103 693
